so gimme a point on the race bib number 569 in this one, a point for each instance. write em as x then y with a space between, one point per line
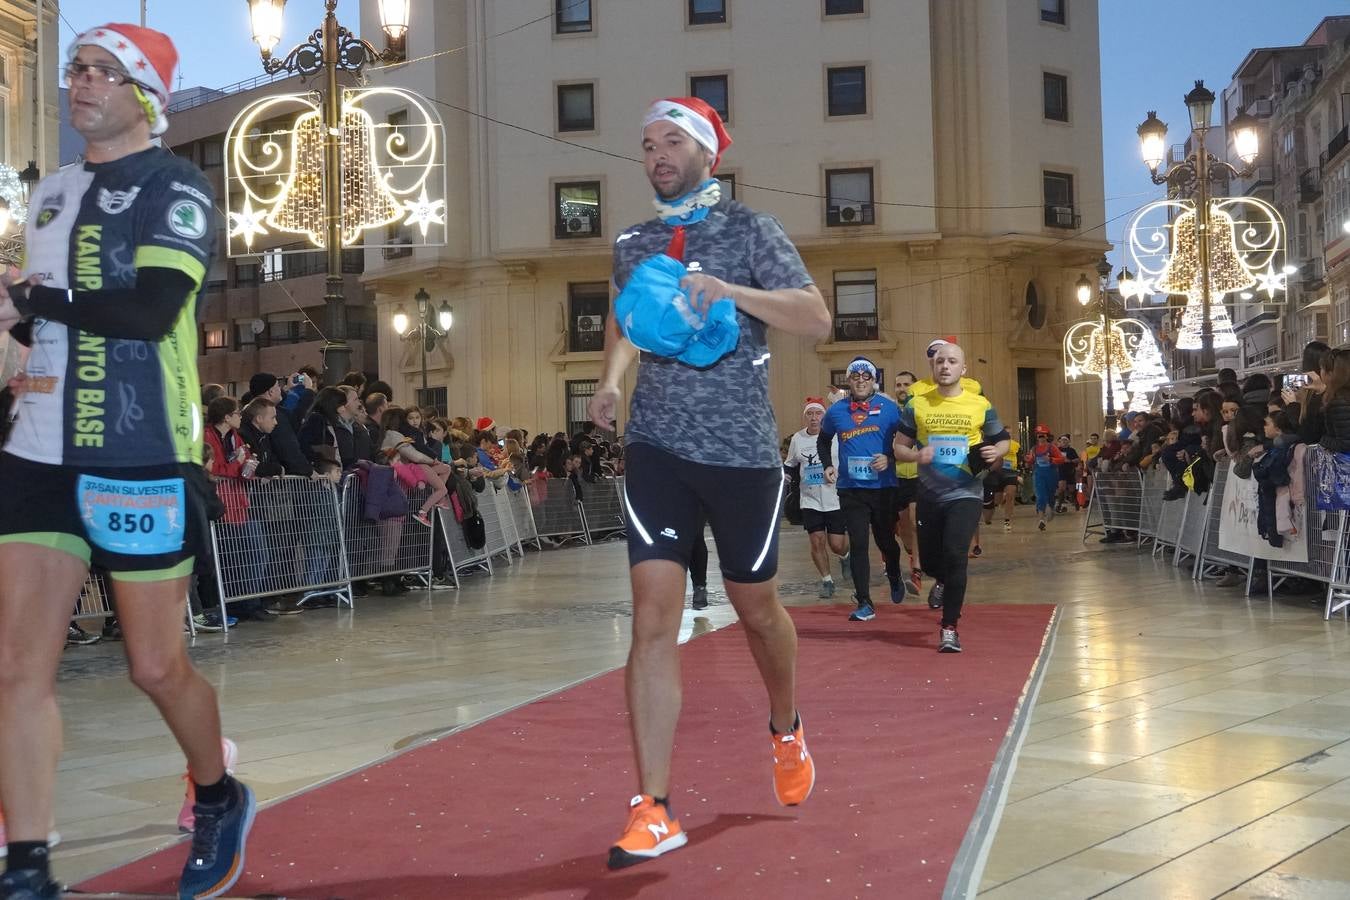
949 449
134 518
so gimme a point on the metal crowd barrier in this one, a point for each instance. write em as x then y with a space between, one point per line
279 536
1154 484
508 519
1213 558
463 558
95 602
1191 538
1118 499
522 516
400 546
1170 517
1327 534
498 540
560 516
602 502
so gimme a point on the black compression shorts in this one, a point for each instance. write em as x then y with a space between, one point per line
139 524
668 499
814 520
906 492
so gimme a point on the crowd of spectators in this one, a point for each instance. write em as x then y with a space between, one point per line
294 426
1254 422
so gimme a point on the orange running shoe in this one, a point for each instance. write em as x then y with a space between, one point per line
649 833
794 772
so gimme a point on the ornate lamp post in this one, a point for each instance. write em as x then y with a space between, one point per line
330 49
1192 178
426 332
1084 292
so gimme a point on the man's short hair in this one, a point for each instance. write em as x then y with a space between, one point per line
375 401
256 407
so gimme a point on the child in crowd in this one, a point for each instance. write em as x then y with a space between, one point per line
1271 471
412 465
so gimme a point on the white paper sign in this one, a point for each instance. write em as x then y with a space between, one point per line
1237 524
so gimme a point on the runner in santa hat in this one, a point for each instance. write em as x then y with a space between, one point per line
702 444
115 253
822 518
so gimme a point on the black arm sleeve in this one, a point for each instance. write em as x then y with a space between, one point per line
143 313
823 448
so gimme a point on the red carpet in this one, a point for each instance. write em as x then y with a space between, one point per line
525 805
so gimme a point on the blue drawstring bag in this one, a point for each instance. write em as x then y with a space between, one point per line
655 314
1331 479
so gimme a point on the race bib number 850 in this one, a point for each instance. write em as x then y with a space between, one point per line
134 518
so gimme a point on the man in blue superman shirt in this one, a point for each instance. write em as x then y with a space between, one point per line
865 422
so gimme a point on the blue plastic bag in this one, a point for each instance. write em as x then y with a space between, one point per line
655 314
1331 477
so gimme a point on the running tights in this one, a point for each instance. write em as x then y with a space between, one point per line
945 530
874 509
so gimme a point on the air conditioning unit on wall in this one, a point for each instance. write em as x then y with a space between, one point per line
590 323
579 225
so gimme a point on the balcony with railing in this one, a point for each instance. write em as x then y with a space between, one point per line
857 327
1310 184
1334 146
1062 217
1311 275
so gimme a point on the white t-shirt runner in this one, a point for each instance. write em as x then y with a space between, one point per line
815 493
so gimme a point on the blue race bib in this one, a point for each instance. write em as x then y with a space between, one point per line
860 468
133 518
949 449
813 475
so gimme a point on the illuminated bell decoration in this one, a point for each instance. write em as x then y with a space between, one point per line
1190 336
366 202
1087 345
1226 271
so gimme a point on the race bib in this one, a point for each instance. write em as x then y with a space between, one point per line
1043 461
949 449
860 468
133 518
813 475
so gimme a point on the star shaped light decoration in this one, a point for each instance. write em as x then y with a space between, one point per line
424 212
1271 281
247 222
1073 370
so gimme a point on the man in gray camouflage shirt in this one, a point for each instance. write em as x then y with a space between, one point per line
702 444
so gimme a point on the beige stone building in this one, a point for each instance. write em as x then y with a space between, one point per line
1301 95
938 163
22 105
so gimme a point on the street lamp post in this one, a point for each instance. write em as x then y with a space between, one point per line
426 331
1191 178
330 49
1084 292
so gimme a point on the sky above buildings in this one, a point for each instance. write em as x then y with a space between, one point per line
1152 52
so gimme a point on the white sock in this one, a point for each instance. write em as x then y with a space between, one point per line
827 579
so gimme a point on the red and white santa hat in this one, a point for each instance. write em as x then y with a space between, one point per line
149 58
813 403
697 119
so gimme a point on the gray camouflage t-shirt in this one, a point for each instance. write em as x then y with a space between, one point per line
720 415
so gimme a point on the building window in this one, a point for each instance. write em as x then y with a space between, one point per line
713 90
1056 96
846 89
213 154
587 307
576 107
244 335
845 7
1035 308
578 397
1053 11
216 339
855 306
728 185
284 332
849 197
707 12
576 206
245 274
1059 209
435 397
572 16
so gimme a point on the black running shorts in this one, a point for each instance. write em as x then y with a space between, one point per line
814 520
138 524
668 499
906 492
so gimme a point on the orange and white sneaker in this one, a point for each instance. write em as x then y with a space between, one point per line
649 833
794 771
186 819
